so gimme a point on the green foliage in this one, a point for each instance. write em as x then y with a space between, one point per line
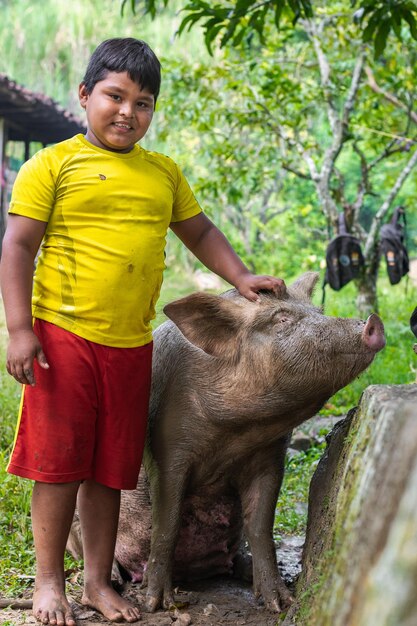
238 20
244 124
291 513
240 125
379 17
46 48
16 550
235 20
150 6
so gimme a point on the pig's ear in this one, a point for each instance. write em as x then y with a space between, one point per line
209 322
303 287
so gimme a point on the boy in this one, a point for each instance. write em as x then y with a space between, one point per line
101 206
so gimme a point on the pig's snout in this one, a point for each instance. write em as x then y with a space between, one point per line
373 333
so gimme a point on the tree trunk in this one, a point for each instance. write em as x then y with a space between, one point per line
367 298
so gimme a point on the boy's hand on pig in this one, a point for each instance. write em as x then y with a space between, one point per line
249 285
23 348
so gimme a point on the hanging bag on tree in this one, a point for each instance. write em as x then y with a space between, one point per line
344 258
392 238
413 326
413 322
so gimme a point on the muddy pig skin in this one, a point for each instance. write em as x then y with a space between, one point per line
231 379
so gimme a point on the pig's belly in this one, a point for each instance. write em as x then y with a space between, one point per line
209 537
208 540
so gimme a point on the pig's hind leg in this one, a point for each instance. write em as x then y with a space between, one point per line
259 488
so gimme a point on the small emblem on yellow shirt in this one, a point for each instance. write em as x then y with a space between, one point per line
102 177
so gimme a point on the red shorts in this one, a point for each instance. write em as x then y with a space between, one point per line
86 417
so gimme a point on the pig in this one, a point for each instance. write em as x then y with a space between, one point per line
231 379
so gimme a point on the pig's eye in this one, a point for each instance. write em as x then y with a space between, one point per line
281 318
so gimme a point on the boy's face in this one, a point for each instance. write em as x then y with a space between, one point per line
118 112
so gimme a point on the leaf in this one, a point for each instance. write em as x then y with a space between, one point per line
189 20
409 17
241 8
278 12
233 23
381 38
370 28
308 8
396 23
237 39
132 6
210 35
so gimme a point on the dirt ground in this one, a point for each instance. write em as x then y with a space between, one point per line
214 602
220 601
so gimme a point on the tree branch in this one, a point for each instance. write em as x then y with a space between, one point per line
297 173
376 222
313 32
387 95
338 122
353 89
387 152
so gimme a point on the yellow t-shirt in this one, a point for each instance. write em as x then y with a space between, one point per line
99 271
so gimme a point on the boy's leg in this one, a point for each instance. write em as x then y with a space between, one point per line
98 508
52 512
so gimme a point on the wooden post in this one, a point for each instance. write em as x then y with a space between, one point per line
27 149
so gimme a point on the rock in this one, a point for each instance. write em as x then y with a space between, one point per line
182 619
361 542
289 553
300 441
211 609
317 427
291 453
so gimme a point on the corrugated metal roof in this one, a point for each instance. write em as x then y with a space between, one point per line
34 116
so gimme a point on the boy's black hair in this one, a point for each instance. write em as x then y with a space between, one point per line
125 54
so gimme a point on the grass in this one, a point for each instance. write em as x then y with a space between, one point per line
291 513
396 364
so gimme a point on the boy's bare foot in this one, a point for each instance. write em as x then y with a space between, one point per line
50 605
110 604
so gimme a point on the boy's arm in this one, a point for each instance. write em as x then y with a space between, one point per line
20 245
211 247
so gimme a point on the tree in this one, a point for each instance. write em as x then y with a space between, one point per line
339 119
235 20
234 165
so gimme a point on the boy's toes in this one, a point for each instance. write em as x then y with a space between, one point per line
61 619
45 617
42 616
55 618
110 604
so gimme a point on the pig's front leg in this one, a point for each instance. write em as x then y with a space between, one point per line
167 489
259 488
